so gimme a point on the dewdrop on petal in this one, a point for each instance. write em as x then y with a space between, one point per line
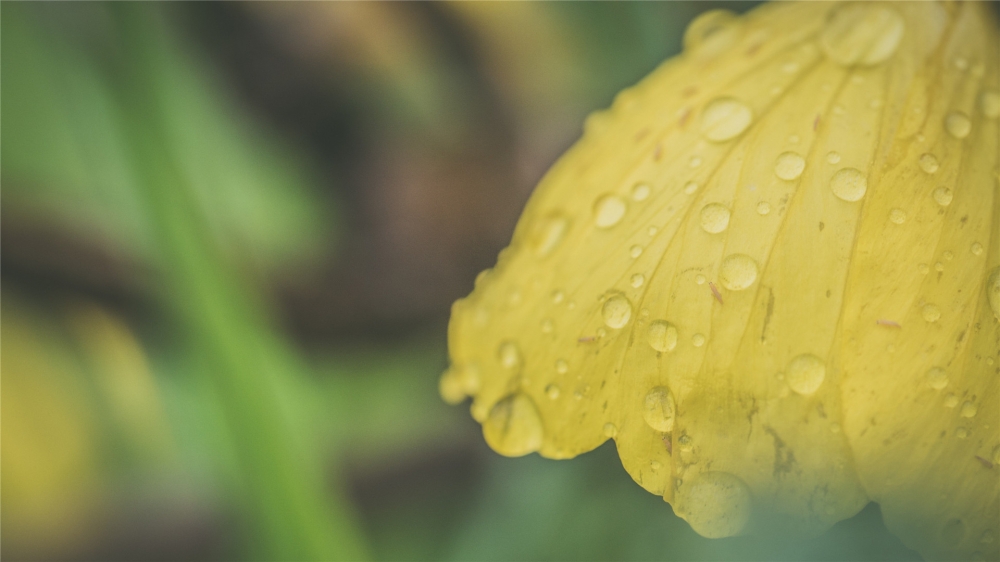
791 365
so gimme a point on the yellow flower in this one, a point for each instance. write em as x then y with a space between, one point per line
771 273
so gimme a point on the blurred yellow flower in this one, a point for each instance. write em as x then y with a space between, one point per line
771 273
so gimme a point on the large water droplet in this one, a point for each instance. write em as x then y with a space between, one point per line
548 233
662 335
658 409
715 504
509 355
714 218
930 313
608 210
616 311
958 124
849 184
989 103
805 373
861 34
724 119
993 292
928 163
789 166
737 272
514 427
942 196
937 378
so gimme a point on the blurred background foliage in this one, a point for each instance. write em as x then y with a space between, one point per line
231 235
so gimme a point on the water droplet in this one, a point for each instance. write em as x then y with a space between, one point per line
833 157
616 311
937 378
950 401
558 297
923 268
601 332
514 427
514 298
839 110
548 233
961 63
897 216
968 410
700 279
608 211
724 119
714 218
860 34
942 196
509 355
789 166
640 191
976 248
547 326
993 292
958 124
763 208
805 373
712 32
652 231
930 312
690 187
552 391
794 139
928 163
662 335
658 409
562 367
849 184
698 340
635 251
938 266
790 67
989 103
695 161
610 430
737 272
637 280
715 504
948 255
655 465
962 433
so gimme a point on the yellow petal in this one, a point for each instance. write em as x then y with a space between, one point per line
732 275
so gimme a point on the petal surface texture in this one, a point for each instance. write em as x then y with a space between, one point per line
771 273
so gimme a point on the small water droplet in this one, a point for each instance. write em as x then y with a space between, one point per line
989 103
547 326
552 391
849 184
897 216
923 268
609 210
509 355
860 34
712 32
976 248
601 332
548 233
658 409
514 427
698 340
833 157
724 119
562 367
655 465
962 433
958 124
938 266
928 163
514 298
968 410
763 208
714 218
610 430
790 67
695 161
953 532
937 378
961 63
839 110
662 335
558 296
635 251
948 255
942 196
616 311
637 280
931 313
950 401
640 191
700 279
737 272
715 504
690 187
652 231
805 373
789 166
794 139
